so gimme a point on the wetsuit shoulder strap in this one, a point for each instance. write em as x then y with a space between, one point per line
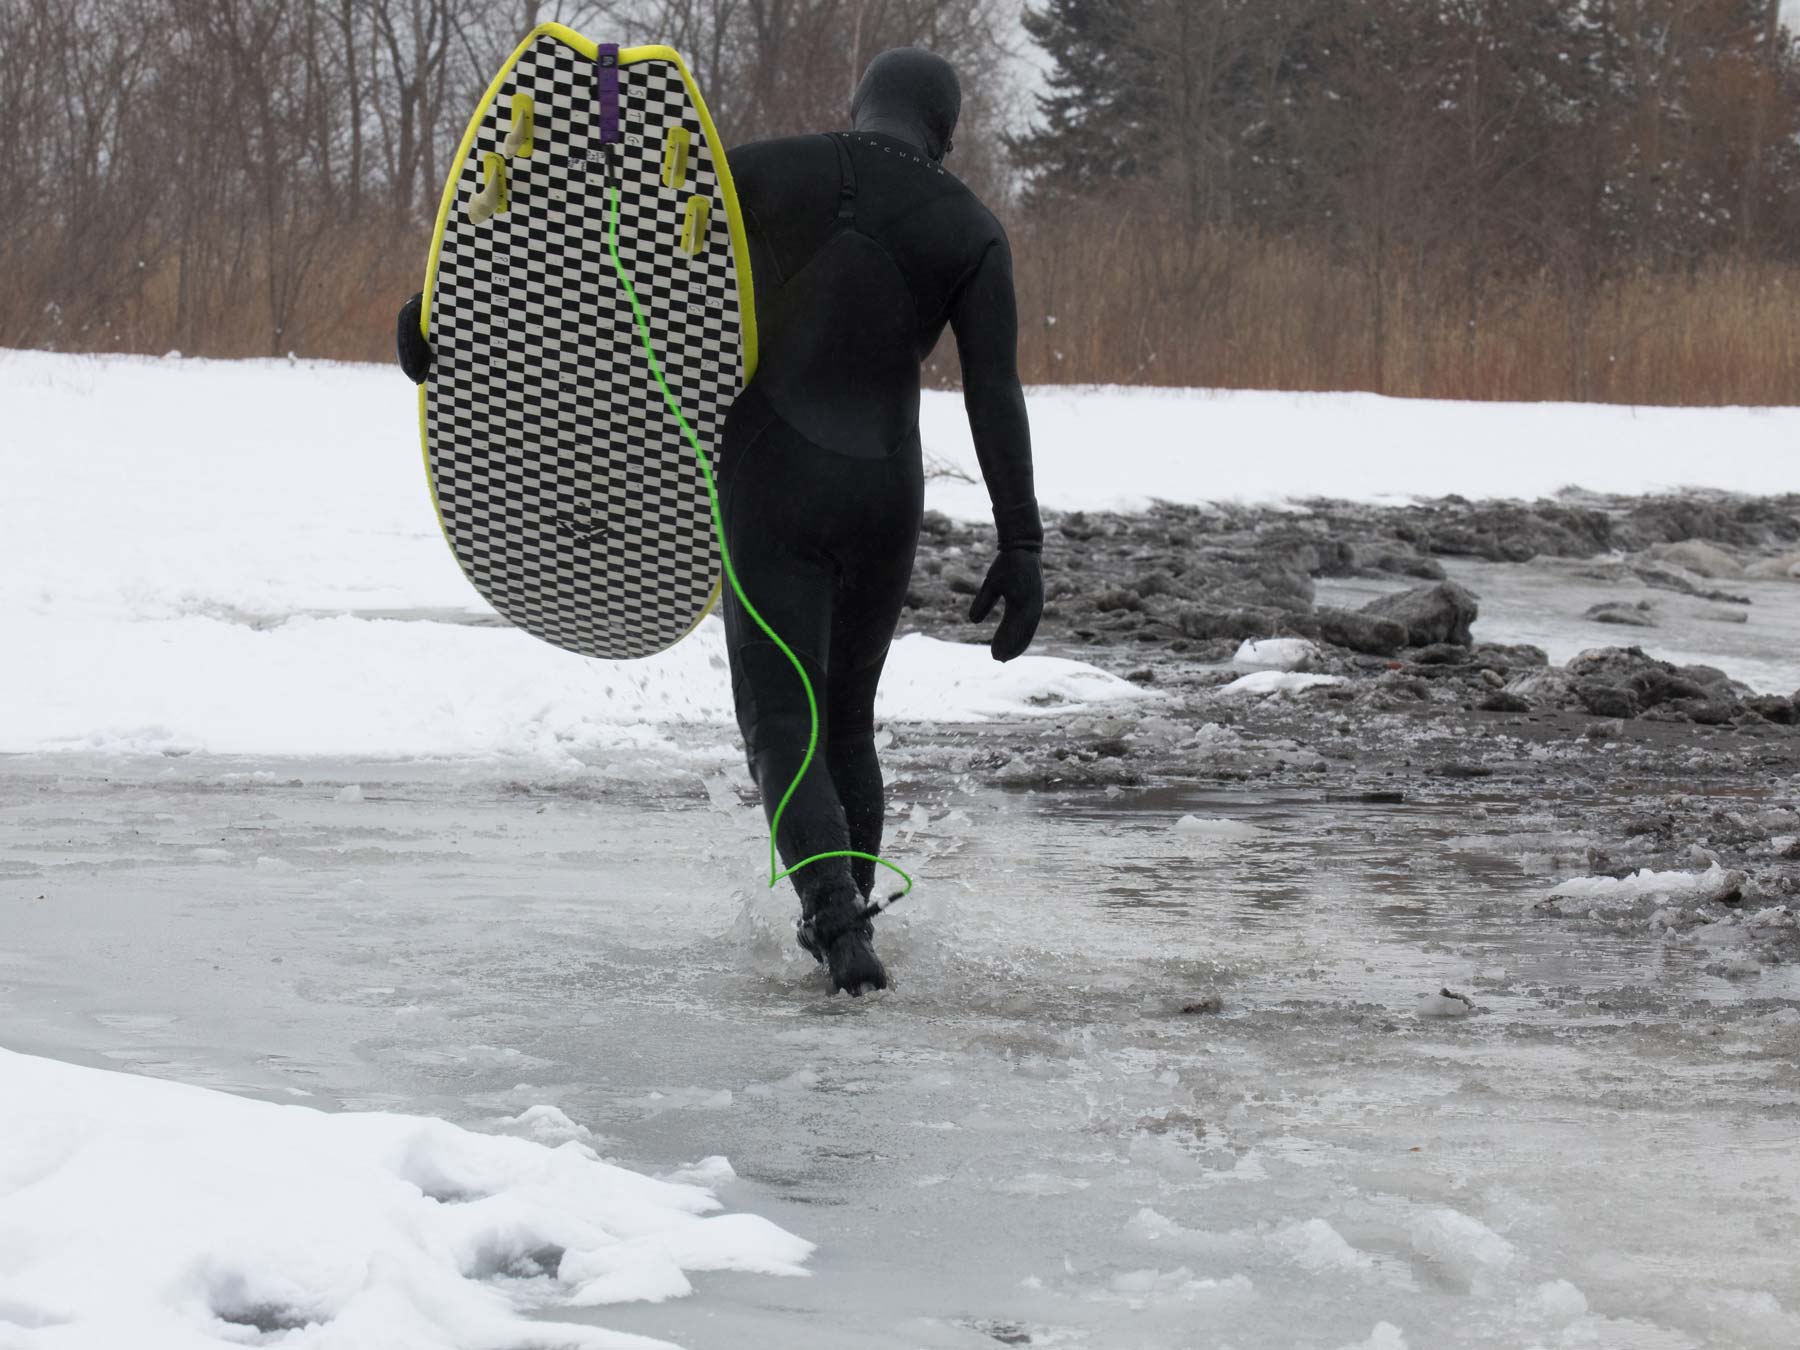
846 212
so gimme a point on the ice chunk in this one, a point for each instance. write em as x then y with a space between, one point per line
1716 883
1560 1301
1445 1003
546 1124
351 793
1460 1243
1275 654
1316 1245
711 1171
1149 1288
1265 682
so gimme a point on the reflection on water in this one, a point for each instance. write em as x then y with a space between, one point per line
1028 1141
1544 603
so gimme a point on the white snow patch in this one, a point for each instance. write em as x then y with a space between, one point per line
1559 1301
1274 654
242 583
146 1213
1265 682
1359 447
1316 1245
346 685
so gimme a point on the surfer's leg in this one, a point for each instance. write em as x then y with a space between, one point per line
856 775
867 611
791 581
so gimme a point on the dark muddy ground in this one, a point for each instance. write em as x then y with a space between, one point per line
1676 769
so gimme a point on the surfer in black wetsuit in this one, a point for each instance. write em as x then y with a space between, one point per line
863 248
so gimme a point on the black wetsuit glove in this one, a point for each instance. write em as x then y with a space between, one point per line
415 352
1017 578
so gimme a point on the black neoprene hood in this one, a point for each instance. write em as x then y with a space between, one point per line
909 93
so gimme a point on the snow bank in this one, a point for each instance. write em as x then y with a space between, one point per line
384 687
136 1212
242 557
1121 448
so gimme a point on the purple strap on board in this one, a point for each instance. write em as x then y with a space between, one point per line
606 92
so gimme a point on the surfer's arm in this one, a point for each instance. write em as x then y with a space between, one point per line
985 319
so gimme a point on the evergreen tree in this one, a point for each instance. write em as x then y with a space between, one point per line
1098 118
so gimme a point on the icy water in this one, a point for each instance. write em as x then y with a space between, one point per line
1545 603
1028 1141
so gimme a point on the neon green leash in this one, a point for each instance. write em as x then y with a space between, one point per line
712 494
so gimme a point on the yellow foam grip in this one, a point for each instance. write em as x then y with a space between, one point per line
492 199
524 126
693 225
675 157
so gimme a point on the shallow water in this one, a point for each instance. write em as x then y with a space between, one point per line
1544 604
1026 1141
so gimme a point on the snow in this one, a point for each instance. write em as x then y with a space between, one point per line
242 558
1120 448
162 1216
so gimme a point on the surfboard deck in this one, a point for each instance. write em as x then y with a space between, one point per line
562 483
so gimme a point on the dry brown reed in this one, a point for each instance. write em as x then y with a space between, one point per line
1230 310
1120 303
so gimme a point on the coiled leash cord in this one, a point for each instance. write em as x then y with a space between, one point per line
873 908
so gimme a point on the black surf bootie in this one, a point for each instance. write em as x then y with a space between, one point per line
836 931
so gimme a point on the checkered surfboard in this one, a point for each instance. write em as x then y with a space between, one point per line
563 484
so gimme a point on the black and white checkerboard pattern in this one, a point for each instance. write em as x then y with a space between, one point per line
567 491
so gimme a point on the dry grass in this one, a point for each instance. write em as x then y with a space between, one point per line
1104 300
1235 311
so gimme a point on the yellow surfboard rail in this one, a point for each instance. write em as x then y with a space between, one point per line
740 246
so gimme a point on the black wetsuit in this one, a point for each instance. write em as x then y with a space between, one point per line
862 249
